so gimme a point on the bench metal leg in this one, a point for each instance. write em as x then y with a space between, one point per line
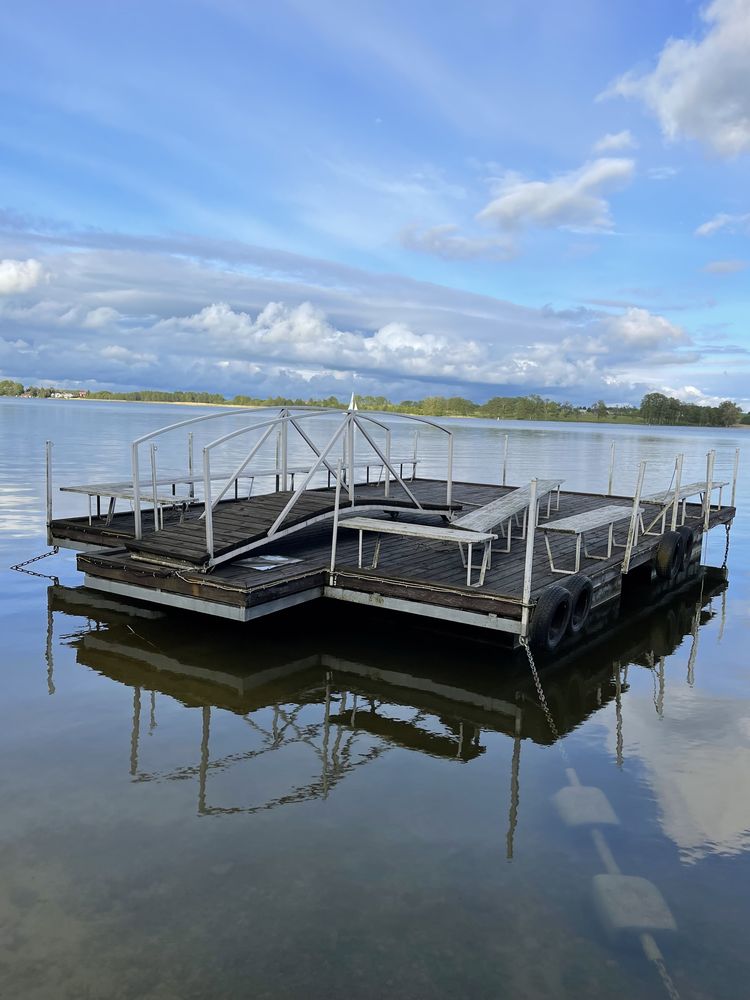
553 568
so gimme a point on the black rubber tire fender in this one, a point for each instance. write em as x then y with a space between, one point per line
581 591
688 539
668 561
549 623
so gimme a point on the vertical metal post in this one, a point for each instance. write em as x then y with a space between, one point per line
350 454
284 450
207 508
386 470
449 486
335 536
528 565
677 479
505 459
710 459
48 488
735 470
153 486
416 452
136 491
610 481
191 466
633 527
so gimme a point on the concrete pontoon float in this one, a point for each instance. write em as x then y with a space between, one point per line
206 539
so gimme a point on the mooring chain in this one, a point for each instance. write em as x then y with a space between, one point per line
20 567
539 689
726 546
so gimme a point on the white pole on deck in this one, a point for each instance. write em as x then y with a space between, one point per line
634 516
136 490
734 475
153 487
207 509
677 480
505 459
529 559
710 459
48 484
610 481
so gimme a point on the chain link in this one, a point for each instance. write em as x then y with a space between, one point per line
21 567
726 547
539 689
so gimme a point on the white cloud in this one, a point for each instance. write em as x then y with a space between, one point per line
572 200
701 89
614 141
725 266
643 329
19 275
135 312
731 223
446 241
661 173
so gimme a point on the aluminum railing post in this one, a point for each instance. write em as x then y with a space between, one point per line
334 537
633 526
386 470
610 480
528 564
350 454
48 488
710 459
505 460
677 480
138 527
734 475
207 509
449 485
191 466
153 486
284 449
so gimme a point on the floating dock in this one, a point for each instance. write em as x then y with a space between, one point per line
362 526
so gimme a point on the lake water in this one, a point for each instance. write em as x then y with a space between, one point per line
333 805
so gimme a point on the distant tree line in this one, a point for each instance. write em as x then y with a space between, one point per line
655 408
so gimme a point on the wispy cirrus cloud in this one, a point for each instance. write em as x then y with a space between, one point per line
725 221
725 266
574 200
613 142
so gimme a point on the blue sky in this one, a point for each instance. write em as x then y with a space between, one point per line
406 198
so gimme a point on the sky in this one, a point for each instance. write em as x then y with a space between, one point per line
398 198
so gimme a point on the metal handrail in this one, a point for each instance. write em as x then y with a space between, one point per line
134 446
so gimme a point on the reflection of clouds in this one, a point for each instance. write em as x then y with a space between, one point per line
697 760
14 519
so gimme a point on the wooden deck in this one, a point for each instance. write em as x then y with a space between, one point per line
410 571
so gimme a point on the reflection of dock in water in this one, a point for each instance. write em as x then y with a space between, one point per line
346 712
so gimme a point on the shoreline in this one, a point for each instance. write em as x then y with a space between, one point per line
405 413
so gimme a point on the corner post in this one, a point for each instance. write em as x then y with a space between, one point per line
350 454
610 481
633 527
710 459
677 480
136 490
735 471
528 565
505 459
48 488
449 484
191 466
207 508
153 486
335 535
284 449
387 470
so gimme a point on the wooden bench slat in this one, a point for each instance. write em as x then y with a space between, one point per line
589 520
505 507
409 530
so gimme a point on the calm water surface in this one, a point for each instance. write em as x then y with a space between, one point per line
348 806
